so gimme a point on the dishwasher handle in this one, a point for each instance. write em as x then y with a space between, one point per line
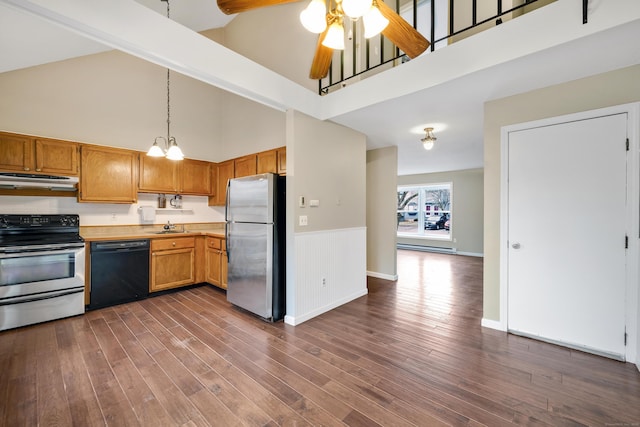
120 245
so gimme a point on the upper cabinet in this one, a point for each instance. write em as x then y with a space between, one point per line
160 175
24 154
195 177
245 166
274 161
224 172
282 160
108 175
157 175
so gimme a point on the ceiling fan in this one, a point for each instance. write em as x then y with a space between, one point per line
329 23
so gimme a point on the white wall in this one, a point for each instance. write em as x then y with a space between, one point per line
117 100
382 176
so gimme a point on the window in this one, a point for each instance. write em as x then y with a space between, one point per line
425 211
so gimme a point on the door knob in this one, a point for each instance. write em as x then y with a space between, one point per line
516 246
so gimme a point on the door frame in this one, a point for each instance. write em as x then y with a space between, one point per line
632 220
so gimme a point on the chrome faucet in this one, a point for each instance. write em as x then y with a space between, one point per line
170 227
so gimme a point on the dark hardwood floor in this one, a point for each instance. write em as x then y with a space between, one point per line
408 353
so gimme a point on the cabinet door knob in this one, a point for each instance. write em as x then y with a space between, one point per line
26 169
38 170
173 243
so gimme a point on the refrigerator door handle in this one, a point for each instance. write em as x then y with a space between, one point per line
226 201
226 240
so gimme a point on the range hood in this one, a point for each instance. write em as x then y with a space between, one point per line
16 181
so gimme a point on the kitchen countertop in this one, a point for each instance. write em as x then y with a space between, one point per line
128 232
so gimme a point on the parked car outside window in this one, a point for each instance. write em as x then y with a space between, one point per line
436 222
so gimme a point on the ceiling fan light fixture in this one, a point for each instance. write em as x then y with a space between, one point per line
335 36
428 140
354 9
313 17
374 22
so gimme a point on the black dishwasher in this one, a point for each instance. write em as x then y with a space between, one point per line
119 272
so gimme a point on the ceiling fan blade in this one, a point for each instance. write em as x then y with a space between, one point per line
321 59
403 35
235 6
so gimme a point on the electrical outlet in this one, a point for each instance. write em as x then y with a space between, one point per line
324 282
302 220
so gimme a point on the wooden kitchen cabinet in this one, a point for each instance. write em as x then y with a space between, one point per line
216 262
161 175
25 154
282 160
172 263
245 166
195 177
156 174
268 162
274 161
108 175
224 172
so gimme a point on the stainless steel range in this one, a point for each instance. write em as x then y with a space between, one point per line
42 259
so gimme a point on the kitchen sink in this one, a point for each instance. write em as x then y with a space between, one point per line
170 232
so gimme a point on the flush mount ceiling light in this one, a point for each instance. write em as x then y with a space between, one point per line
428 139
327 18
170 148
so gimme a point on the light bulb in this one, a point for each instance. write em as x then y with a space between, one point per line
155 150
356 8
335 36
313 17
374 22
174 152
428 145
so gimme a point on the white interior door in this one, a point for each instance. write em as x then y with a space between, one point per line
566 233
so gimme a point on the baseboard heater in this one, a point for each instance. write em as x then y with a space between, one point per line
427 248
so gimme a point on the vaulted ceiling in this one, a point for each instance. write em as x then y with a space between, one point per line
447 88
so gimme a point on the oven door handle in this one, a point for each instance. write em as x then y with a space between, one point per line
42 297
38 253
41 248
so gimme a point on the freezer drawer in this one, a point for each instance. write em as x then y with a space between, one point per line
250 275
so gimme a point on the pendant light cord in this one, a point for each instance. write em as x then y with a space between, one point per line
168 91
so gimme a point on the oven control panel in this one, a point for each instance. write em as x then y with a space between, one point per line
36 221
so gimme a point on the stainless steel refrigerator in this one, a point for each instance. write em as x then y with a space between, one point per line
255 231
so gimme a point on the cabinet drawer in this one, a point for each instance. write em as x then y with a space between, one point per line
174 243
214 243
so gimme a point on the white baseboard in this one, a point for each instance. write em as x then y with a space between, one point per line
392 277
476 254
296 320
493 324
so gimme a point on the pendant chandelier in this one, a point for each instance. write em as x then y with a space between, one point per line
316 19
169 148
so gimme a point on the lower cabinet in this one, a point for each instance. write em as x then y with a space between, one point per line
216 262
172 263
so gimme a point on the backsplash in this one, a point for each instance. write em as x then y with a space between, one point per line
195 210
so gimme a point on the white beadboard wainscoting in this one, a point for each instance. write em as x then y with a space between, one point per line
329 270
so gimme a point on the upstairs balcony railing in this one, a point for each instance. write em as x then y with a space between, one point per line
442 22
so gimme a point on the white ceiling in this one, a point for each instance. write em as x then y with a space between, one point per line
454 107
